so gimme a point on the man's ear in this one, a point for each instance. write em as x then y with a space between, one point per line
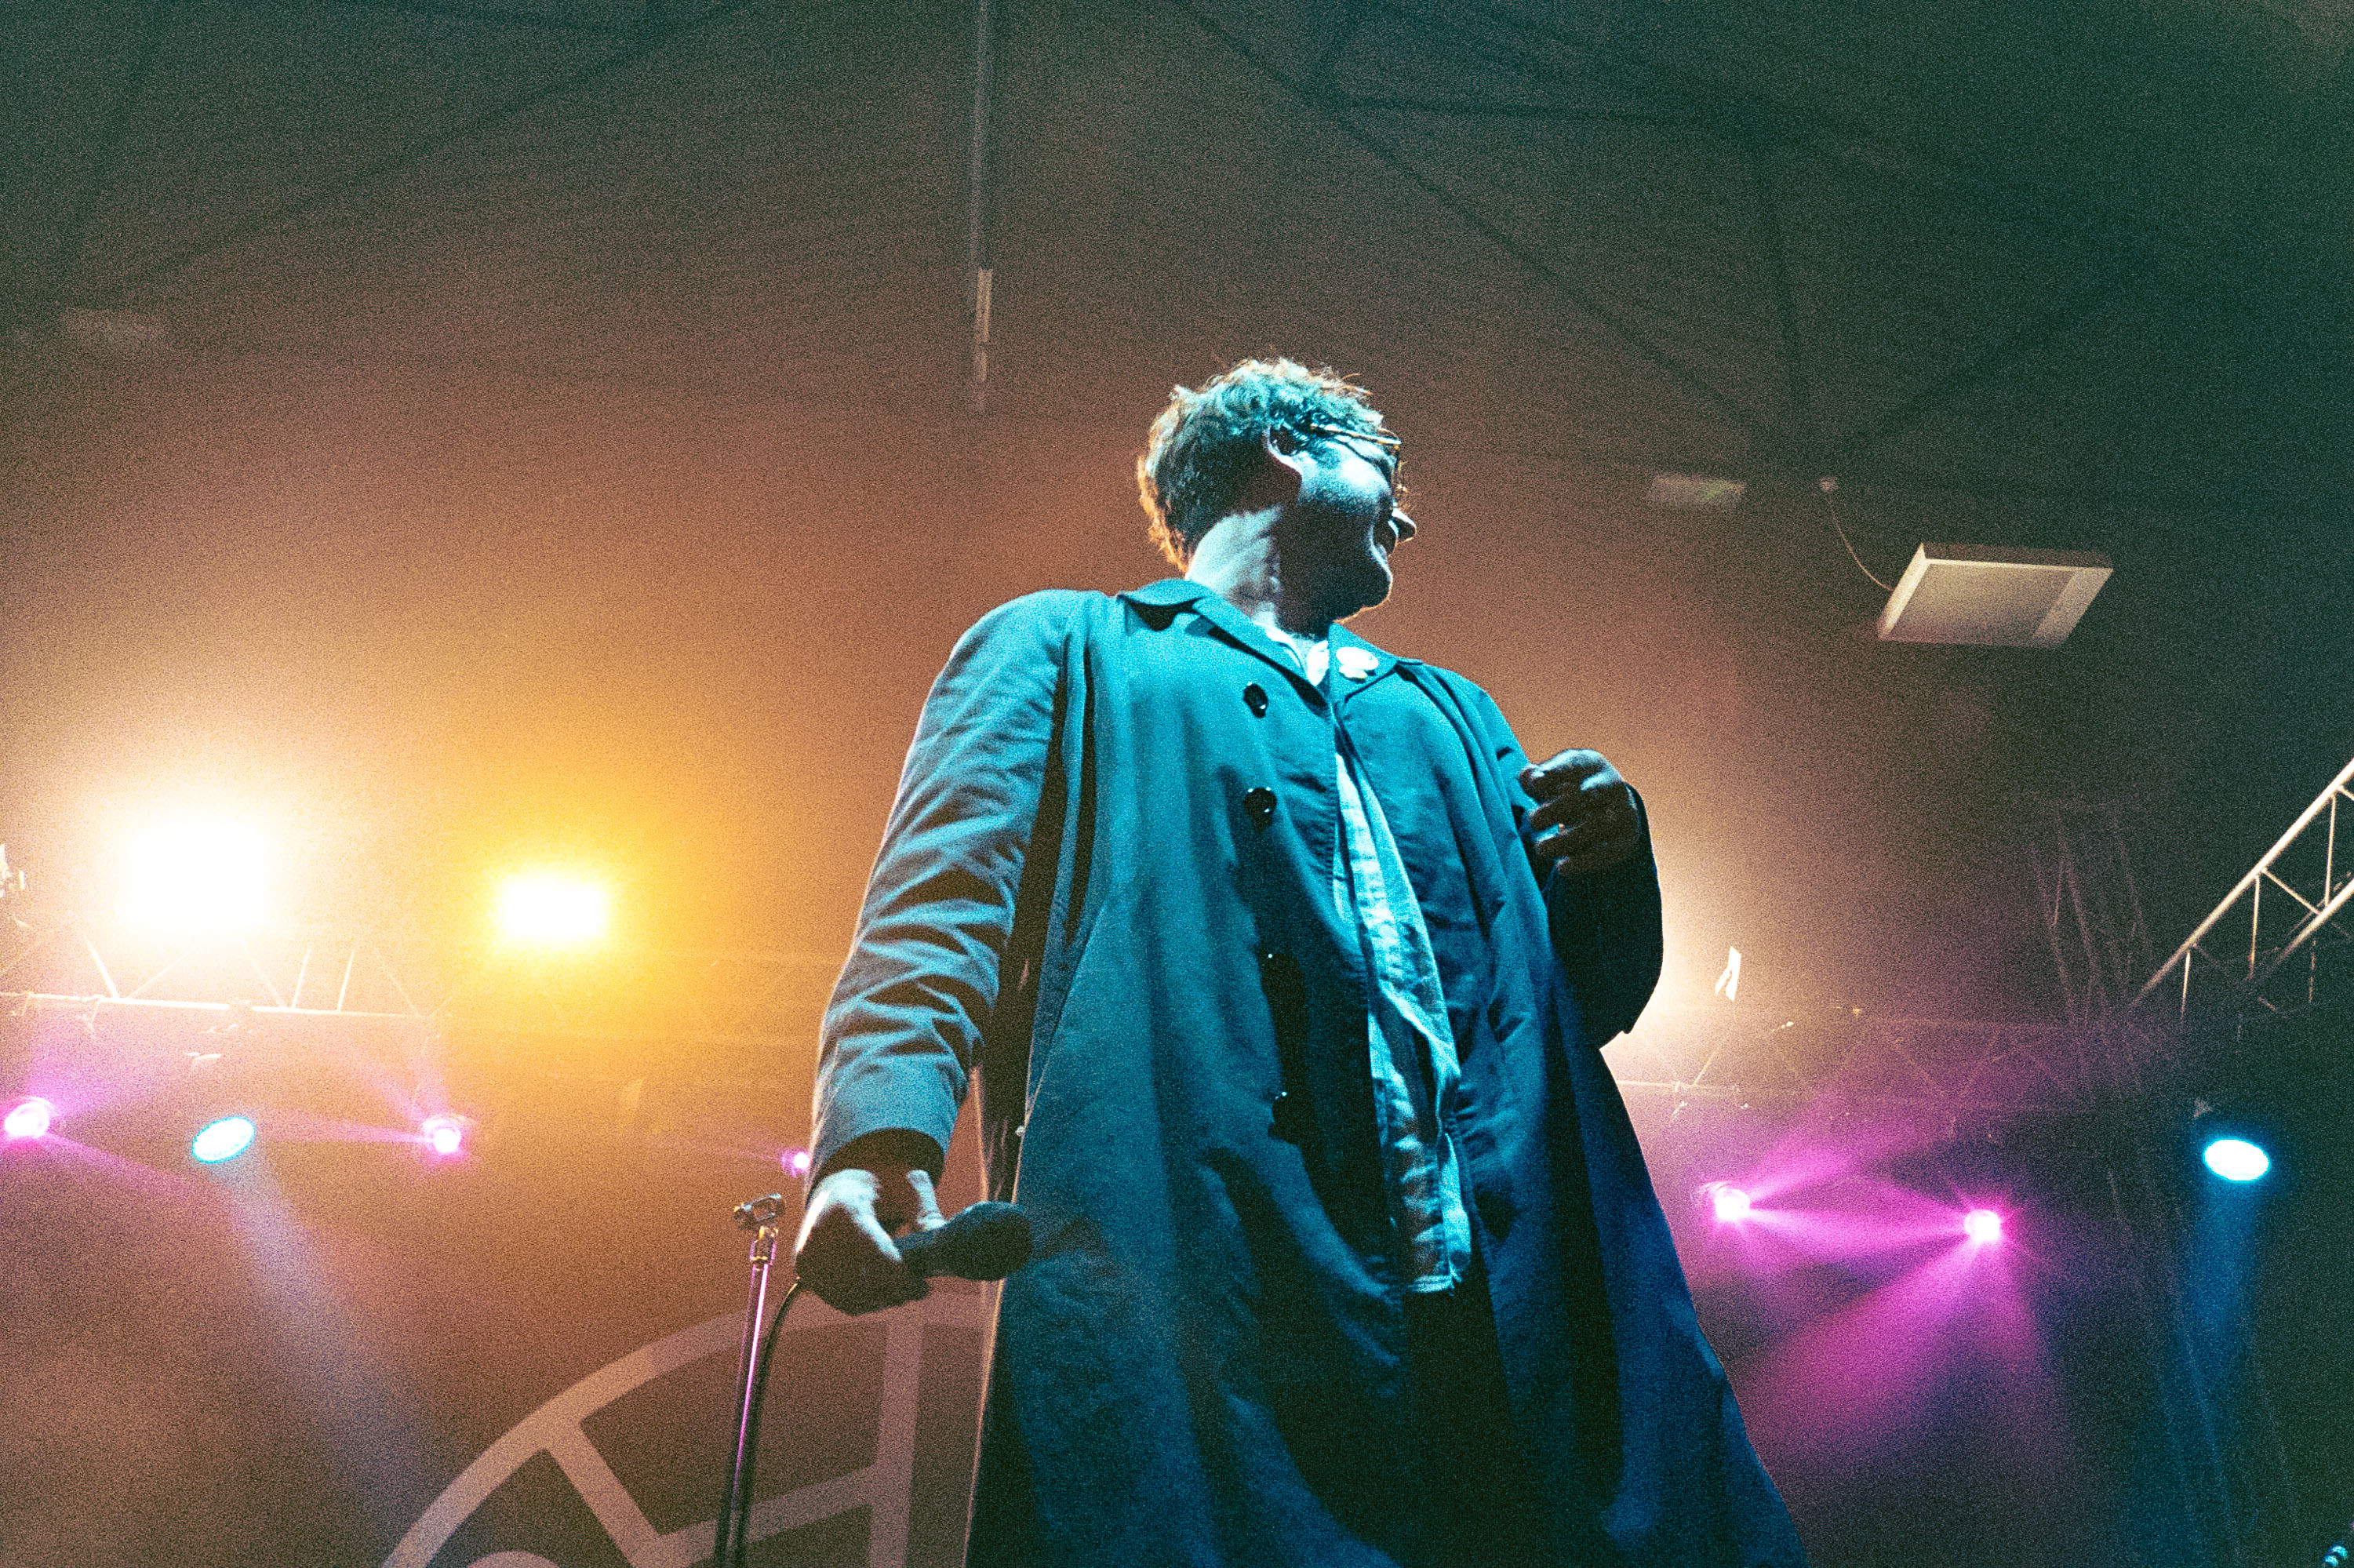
1276 480
1287 459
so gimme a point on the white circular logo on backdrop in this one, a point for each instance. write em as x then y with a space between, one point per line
555 1429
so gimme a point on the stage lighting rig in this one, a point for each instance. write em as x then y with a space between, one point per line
443 1135
28 1119
2236 1158
1728 1202
196 874
222 1140
553 909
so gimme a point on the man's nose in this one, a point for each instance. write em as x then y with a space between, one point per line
1403 524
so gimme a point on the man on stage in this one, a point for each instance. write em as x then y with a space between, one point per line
1284 977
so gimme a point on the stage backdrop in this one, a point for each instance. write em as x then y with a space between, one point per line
339 1350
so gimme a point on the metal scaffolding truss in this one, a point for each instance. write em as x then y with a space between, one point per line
2276 941
731 1010
2090 906
1979 1072
723 1005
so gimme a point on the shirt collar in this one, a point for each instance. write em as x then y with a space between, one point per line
1169 592
1359 662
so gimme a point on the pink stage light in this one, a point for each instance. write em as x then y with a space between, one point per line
1982 1225
1731 1204
796 1163
444 1135
29 1118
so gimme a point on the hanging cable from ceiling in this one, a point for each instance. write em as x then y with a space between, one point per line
1829 487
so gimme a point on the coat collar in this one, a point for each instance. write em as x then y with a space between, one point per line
1351 651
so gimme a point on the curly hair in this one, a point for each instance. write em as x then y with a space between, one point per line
1202 448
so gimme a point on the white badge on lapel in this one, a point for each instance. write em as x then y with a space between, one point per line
1357 663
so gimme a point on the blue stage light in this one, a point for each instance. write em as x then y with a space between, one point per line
2237 1159
224 1140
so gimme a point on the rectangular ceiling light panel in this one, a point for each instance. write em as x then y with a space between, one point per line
1694 493
1993 597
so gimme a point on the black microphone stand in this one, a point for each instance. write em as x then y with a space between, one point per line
764 1218
983 1241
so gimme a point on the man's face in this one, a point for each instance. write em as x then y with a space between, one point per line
1346 522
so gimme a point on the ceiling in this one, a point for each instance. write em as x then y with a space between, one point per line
2095 255
489 395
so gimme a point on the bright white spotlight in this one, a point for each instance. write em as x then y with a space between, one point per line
2237 1159
1729 1202
1982 1225
224 1140
796 1163
196 874
445 1135
550 909
27 1118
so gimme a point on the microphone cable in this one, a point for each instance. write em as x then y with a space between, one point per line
736 1534
985 1241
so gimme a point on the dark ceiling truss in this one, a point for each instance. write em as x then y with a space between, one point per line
1800 440
1764 133
109 148
493 16
639 47
2048 327
1744 117
1470 109
1325 100
1329 62
1773 137
2179 504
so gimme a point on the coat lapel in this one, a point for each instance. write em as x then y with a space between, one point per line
1171 594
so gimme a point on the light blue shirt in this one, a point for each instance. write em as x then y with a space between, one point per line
1408 1038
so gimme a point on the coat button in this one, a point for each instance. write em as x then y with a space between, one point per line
1254 699
1259 804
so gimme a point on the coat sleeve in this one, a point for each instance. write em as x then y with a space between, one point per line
1606 925
907 1015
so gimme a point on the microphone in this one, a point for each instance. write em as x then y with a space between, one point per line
984 1241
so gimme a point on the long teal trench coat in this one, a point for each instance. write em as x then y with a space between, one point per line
1105 891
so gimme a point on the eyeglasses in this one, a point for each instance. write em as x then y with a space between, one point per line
1380 439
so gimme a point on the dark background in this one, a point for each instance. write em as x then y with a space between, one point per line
465 435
